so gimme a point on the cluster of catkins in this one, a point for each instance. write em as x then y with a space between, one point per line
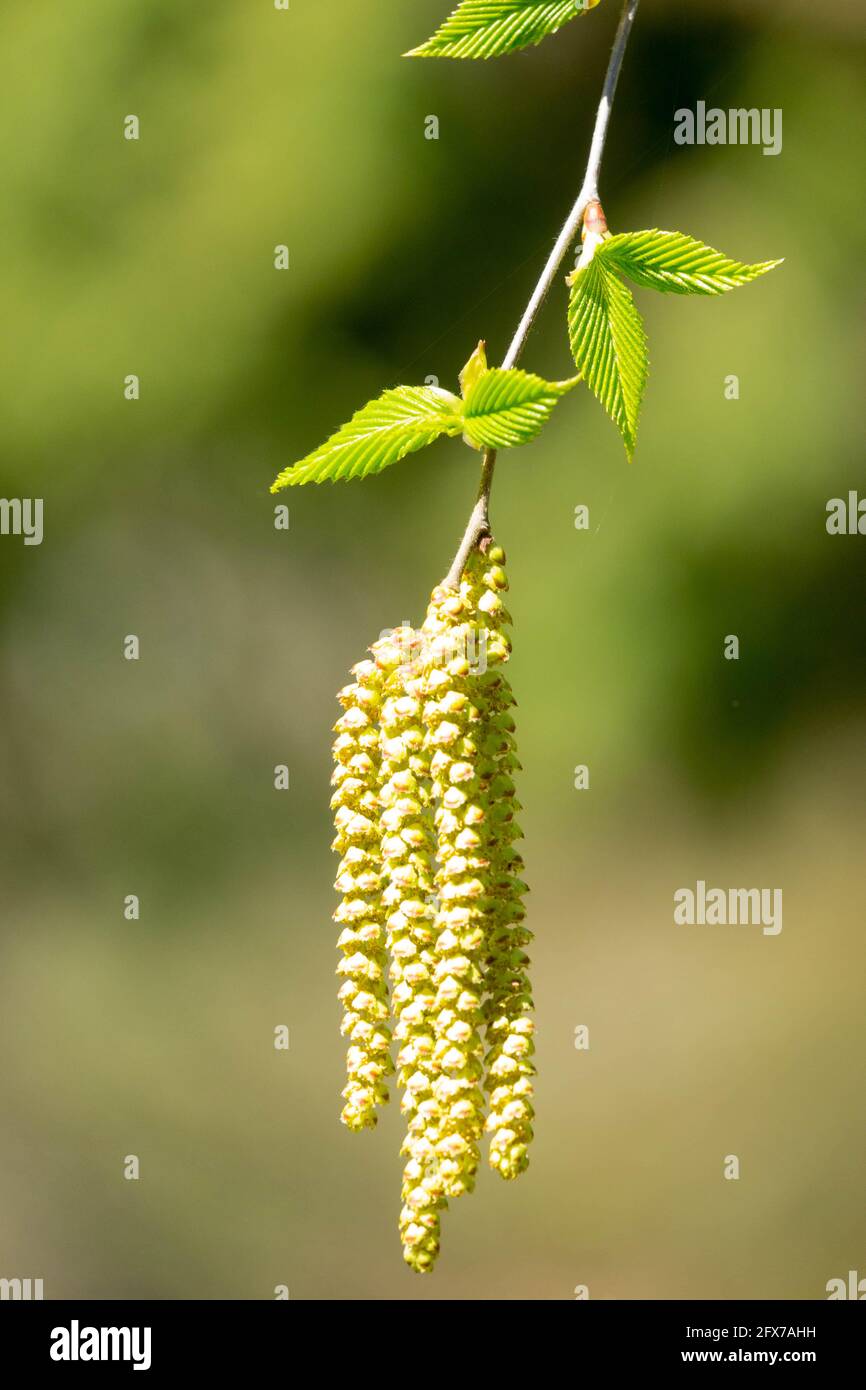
432 938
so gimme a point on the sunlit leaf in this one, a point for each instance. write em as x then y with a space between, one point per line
487 28
507 407
382 432
609 344
677 264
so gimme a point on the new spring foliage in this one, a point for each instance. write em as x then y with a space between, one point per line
505 408
605 329
497 407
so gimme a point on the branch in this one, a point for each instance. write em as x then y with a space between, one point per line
479 521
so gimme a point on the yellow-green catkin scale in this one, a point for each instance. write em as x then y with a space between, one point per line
470 737
408 848
361 913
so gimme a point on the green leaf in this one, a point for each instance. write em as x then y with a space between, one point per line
505 407
486 28
609 344
677 264
382 432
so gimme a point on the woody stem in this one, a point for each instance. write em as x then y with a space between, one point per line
478 525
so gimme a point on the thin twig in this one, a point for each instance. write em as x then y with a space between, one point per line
479 520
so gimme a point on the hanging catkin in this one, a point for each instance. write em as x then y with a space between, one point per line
481 938
432 898
508 1008
408 849
364 993
452 721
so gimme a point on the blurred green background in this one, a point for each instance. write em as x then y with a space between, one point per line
155 777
